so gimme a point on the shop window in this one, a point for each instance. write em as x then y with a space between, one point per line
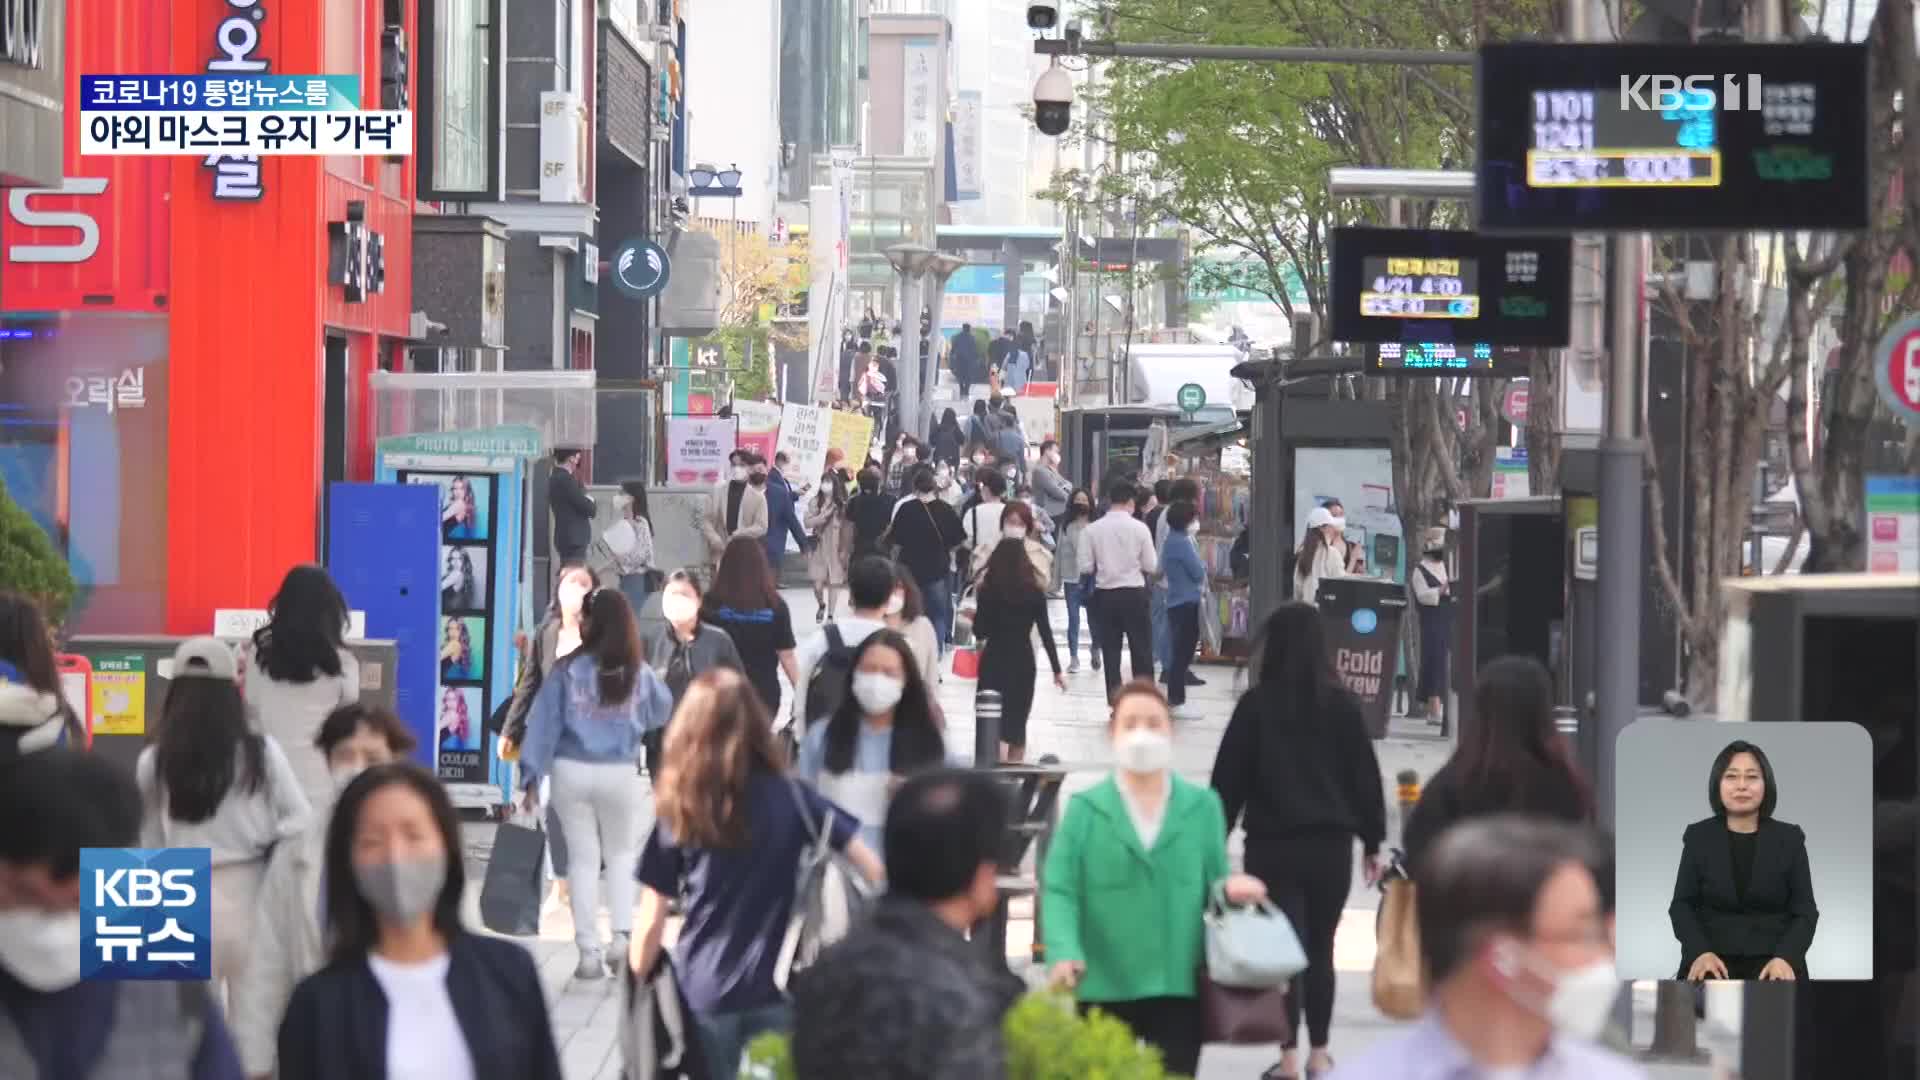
580 354
462 99
83 449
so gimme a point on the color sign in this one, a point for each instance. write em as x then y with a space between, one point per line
1191 397
697 449
120 694
1361 618
1896 369
852 435
1893 524
759 429
641 268
804 430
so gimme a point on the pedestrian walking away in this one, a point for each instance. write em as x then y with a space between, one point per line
1012 606
745 602
34 714
57 802
557 638
208 781
870 512
948 440
572 509
884 730
905 996
297 670
585 731
1120 550
829 652
1144 812
1186 577
982 522
1073 565
409 993
1297 765
1514 940
354 738
722 771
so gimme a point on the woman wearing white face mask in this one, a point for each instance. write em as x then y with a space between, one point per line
883 730
633 558
554 641
907 616
1127 880
681 647
354 738
409 993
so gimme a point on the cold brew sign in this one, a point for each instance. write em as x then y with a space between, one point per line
1361 618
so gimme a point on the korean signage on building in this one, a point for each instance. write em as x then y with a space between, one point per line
236 44
921 126
966 145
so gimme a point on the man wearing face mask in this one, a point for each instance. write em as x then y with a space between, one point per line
572 510
52 1025
739 506
904 995
1050 489
927 530
1513 931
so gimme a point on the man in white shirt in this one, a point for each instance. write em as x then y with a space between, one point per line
1121 551
982 522
869 587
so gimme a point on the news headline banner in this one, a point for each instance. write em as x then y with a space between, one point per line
236 117
219 93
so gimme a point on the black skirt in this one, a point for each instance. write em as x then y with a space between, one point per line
1436 624
1010 670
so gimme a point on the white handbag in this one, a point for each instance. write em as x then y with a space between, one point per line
1250 947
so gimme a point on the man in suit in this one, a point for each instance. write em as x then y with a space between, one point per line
963 356
783 514
572 510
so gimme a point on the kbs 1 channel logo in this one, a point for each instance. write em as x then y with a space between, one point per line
146 914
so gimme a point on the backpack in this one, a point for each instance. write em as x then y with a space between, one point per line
827 683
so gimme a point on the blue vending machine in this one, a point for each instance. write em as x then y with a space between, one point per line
383 551
476 481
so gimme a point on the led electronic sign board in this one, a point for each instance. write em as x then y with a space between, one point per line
1697 138
1439 358
1423 286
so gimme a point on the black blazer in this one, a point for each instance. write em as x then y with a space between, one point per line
1778 916
336 1021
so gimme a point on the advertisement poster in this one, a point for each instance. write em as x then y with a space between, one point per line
697 449
120 694
1362 480
919 79
1893 524
803 438
759 426
467 620
852 435
1510 472
1362 622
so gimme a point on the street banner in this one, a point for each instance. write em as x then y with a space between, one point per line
1361 617
759 426
1893 524
1510 472
697 449
852 435
803 438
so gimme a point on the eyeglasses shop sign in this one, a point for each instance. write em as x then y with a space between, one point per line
20 23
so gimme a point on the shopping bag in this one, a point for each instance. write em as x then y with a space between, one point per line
1399 977
966 663
1240 1017
510 893
658 1039
829 897
1251 946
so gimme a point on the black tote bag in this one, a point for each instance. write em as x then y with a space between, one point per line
510 894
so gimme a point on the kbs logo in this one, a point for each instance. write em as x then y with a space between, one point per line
1692 93
146 913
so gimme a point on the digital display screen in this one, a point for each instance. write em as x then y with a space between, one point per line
1701 138
1415 286
1442 358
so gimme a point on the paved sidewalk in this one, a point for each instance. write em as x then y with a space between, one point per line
1071 725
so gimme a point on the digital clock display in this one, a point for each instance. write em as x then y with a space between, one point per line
1436 285
1700 138
1447 358
1416 287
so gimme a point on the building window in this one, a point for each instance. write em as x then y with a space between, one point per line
463 96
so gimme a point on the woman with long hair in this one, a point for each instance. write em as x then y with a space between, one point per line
456 651
459 591
1073 560
635 564
298 669
354 738
1511 759
460 515
948 439
34 714
1322 554
557 637
682 646
731 826
585 731
1297 763
907 616
455 729
408 990
883 730
826 522
208 780
1012 605
744 600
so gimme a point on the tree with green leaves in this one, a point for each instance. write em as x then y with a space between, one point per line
29 565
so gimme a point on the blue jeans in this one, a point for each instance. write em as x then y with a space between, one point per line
1076 600
1162 640
938 601
725 1035
634 588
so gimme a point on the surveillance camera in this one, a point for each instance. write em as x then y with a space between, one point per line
1043 16
1053 102
437 328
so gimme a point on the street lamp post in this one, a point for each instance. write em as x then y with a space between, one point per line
911 262
939 270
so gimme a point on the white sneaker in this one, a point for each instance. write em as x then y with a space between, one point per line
1073 667
1186 712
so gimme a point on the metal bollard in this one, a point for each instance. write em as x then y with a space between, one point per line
1407 789
986 729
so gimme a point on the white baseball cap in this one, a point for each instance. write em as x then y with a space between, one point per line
1320 516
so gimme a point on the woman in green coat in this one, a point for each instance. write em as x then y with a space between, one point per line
1127 878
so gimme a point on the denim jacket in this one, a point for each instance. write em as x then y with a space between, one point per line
568 721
